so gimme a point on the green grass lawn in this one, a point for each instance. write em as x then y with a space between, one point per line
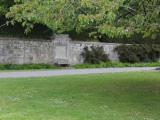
122 96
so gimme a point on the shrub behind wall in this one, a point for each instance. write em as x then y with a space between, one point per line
94 55
138 53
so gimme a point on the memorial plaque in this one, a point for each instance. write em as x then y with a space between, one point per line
61 52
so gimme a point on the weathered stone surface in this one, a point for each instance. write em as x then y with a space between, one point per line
76 49
60 50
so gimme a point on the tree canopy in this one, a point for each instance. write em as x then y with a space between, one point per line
113 18
4 6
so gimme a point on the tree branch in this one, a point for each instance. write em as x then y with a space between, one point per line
3 25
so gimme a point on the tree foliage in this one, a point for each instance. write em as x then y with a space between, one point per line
141 16
114 18
4 6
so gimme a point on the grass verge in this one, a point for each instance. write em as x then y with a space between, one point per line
27 66
79 66
117 64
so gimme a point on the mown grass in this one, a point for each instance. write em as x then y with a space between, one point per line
122 96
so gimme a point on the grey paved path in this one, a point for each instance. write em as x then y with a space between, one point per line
24 74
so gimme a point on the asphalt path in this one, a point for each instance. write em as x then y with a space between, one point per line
47 73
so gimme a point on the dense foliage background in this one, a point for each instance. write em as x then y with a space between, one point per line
105 20
138 53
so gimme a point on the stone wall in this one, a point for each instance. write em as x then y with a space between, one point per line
60 50
77 48
21 51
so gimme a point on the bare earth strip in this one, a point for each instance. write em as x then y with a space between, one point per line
43 73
